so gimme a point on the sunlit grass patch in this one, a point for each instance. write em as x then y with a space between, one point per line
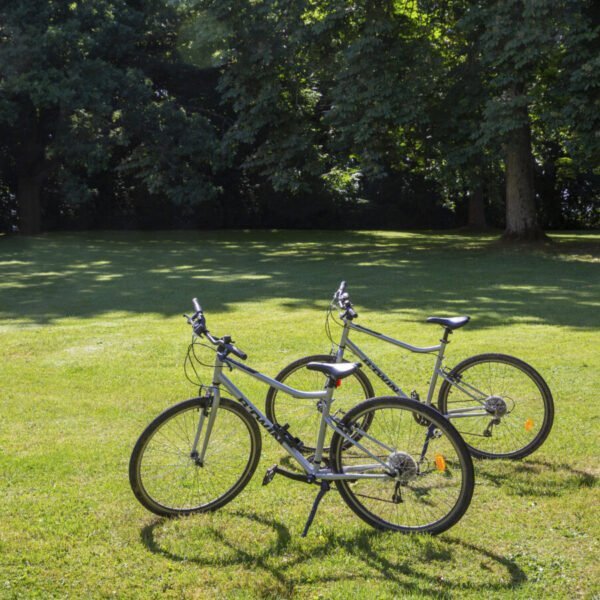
93 343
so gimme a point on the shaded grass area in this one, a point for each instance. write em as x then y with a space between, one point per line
92 349
151 272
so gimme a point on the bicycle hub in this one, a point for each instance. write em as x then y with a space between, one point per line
496 406
404 465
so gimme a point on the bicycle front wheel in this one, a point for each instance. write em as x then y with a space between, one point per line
507 408
302 415
165 473
413 471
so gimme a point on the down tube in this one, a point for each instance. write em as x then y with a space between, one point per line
358 352
265 422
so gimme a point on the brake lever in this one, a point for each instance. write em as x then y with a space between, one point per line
343 299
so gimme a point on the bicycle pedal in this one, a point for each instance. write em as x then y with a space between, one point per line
271 472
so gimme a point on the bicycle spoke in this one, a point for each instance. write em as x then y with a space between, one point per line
514 390
302 416
167 479
430 496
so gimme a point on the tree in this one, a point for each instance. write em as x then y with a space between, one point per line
277 113
519 79
57 84
271 89
523 46
80 95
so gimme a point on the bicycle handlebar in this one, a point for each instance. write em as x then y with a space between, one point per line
225 344
342 299
341 295
239 353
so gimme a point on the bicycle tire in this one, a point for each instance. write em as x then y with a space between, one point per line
181 486
500 378
425 495
301 415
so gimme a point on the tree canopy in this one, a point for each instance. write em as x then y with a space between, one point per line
329 113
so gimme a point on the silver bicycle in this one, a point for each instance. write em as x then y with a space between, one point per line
398 464
502 406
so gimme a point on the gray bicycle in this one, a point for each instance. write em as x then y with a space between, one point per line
502 406
398 464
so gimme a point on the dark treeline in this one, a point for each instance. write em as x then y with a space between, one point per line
312 113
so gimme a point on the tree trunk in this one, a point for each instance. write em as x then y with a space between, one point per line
521 218
33 168
30 204
476 216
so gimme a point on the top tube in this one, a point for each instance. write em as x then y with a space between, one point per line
381 336
274 383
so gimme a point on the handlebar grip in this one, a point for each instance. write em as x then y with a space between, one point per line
239 353
340 291
197 306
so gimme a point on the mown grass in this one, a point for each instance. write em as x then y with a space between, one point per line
92 346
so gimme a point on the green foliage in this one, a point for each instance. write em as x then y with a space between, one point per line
508 65
378 95
271 89
81 84
177 154
526 49
250 109
203 41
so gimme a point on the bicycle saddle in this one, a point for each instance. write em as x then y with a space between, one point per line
449 322
334 370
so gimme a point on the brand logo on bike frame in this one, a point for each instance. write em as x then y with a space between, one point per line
270 427
381 375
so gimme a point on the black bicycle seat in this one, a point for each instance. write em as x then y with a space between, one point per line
449 322
334 370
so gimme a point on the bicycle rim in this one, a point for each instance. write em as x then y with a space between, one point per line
301 415
165 477
429 470
520 396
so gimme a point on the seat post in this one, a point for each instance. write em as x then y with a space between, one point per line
438 365
325 406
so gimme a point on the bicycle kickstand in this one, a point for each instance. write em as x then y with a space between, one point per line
325 487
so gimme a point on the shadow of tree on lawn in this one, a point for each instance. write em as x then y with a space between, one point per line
85 275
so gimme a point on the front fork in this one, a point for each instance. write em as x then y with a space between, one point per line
210 410
208 415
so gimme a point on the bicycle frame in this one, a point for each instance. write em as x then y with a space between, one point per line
438 371
313 469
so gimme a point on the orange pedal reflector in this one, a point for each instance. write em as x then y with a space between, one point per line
338 383
529 425
440 462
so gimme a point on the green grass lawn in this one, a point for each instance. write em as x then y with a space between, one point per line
92 348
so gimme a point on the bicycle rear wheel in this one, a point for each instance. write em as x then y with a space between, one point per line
302 415
169 480
425 483
511 403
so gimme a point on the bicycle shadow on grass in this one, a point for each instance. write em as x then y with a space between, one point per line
410 564
533 477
